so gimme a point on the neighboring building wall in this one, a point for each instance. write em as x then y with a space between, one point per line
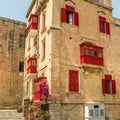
63 56
11 62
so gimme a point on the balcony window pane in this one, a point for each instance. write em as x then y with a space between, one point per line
95 53
86 51
90 112
100 54
91 53
101 112
96 112
35 20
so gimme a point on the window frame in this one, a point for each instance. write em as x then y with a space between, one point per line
93 111
44 20
21 64
22 41
69 17
108 88
1 48
91 50
43 49
104 25
66 11
73 81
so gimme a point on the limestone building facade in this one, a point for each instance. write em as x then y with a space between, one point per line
72 46
12 44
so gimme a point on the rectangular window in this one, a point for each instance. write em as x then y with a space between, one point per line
91 52
100 54
35 19
101 112
109 86
94 112
44 20
68 15
22 41
21 66
90 112
104 26
86 51
1 48
33 62
73 81
43 49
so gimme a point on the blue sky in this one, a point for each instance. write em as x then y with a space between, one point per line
16 9
116 8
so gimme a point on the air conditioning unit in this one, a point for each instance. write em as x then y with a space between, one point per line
108 118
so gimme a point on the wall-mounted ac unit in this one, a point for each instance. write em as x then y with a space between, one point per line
108 117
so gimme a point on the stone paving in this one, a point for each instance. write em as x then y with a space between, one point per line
11 115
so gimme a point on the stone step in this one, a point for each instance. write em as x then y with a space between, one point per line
10 115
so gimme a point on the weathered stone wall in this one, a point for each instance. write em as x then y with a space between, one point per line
66 56
112 111
11 80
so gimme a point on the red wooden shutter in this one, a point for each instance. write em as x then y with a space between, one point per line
73 81
107 28
63 15
35 88
108 77
41 92
104 86
101 24
31 61
70 8
76 19
113 87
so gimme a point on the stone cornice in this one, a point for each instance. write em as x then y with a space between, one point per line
100 5
13 21
40 3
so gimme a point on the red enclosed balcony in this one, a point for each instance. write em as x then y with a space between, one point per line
38 88
33 24
31 70
91 55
